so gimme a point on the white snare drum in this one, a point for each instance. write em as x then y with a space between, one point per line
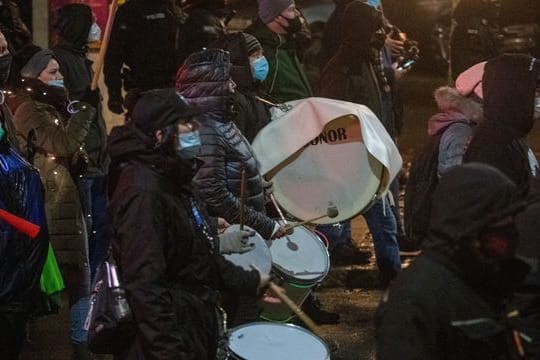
271 341
300 261
260 255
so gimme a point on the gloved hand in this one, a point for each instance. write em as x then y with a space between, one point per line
115 105
268 187
236 242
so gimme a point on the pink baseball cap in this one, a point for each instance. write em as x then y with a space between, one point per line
470 81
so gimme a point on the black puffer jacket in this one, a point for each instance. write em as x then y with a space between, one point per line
171 269
204 81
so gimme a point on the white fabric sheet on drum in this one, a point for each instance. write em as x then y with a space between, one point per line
326 152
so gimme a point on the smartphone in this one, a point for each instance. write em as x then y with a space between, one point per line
405 65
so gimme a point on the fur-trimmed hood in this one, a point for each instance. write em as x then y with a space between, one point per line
453 108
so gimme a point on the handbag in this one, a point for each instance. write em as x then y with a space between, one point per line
109 321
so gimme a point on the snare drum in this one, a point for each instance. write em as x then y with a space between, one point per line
300 261
259 256
271 341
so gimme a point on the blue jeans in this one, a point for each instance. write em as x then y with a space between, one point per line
382 225
94 188
78 313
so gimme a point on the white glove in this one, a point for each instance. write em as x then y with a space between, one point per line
236 242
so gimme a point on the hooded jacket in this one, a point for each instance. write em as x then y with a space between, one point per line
286 79
448 303
251 114
509 85
167 251
21 257
145 37
73 25
353 78
204 81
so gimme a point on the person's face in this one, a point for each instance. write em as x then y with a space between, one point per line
290 13
3 45
257 54
51 72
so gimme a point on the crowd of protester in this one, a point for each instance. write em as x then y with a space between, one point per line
156 193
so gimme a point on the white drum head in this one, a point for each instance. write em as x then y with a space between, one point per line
302 257
333 169
260 256
269 341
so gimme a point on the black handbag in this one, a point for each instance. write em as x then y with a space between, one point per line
109 322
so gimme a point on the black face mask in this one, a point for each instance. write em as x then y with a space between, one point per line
295 25
497 242
5 65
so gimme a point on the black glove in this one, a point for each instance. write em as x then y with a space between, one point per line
236 242
115 105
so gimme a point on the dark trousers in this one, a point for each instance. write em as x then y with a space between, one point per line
12 334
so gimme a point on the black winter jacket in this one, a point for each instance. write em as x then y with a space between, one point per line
170 268
204 81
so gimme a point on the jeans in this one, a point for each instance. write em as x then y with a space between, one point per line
383 228
95 204
78 313
382 225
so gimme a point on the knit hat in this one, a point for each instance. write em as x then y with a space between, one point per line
252 44
37 63
270 9
470 81
157 109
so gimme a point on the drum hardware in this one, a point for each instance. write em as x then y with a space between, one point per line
331 212
299 312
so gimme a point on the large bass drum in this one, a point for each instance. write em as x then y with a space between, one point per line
326 153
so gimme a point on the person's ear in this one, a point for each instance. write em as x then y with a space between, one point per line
159 135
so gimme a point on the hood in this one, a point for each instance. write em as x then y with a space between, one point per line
73 25
127 144
204 81
453 108
467 199
509 85
360 22
235 44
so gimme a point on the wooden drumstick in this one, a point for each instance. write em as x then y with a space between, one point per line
299 312
278 209
291 304
242 197
331 212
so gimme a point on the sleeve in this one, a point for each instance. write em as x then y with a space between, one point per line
141 237
452 146
405 332
211 183
116 55
49 135
235 279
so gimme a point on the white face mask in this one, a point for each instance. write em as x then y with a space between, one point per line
95 33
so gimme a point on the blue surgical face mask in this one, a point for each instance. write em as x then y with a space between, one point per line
94 34
260 68
57 83
188 145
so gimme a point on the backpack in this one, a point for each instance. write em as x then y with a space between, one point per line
423 178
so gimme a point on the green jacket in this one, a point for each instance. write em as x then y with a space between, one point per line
286 79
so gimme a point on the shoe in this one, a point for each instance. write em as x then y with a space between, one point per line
349 255
321 317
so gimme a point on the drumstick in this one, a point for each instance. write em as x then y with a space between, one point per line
331 212
242 198
287 300
113 7
20 224
278 209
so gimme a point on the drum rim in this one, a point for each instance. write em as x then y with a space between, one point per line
293 326
304 282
